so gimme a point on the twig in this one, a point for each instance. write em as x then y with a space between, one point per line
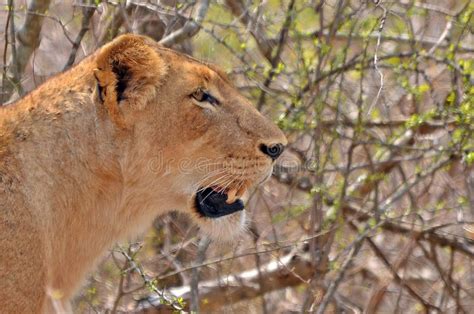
13 44
407 186
28 39
425 41
434 8
276 56
201 255
10 19
447 278
356 245
190 28
397 278
376 56
286 271
380 290
87 13
229 258
264 44
114 21
442 37
150 283
427 235
120 292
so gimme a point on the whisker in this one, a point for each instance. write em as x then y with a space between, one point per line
214 182
205 197
242 182
228 184
215 173
223 182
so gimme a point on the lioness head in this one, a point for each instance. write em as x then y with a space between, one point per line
194 143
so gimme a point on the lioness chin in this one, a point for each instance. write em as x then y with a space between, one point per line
94 154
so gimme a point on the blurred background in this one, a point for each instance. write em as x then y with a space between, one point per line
371 207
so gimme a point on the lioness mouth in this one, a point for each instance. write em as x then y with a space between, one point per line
212 203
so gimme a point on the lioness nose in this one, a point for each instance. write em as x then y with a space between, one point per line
273 151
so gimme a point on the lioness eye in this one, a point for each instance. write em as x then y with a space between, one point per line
203 96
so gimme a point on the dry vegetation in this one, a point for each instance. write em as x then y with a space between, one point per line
371 208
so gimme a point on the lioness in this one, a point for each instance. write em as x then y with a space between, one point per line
95 153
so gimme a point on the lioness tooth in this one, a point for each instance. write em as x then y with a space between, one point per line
231 196
241 191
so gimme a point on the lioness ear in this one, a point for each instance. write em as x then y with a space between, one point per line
128 70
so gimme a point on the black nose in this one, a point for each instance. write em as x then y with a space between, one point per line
273 151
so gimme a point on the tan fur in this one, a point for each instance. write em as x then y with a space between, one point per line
82 168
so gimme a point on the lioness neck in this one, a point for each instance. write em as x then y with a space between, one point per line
58 137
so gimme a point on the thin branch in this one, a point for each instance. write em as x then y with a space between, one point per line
283 272
356 246
201 255
442 37
9 28
376 56
190 28
429 235
264 44
87 13
163 297
449 282
425 41
28 39
123 273
380 290
397 278
114 20
276 56
290 244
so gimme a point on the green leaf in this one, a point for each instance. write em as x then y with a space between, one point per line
470 158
